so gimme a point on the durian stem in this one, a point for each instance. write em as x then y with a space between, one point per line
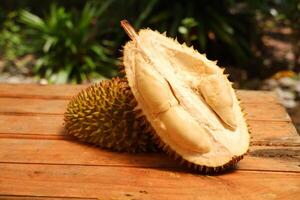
129 29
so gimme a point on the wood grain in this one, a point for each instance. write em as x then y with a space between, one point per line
32 124
257 97
74 153
268 112
51 126
138 183
271 130
20 197
32 106
34 91
67 91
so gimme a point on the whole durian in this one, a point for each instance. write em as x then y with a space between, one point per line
187 99
105 115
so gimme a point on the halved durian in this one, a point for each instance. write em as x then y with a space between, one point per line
187 99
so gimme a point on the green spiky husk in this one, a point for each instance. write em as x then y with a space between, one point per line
104 114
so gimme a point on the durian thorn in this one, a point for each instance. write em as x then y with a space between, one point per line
122 71
129 29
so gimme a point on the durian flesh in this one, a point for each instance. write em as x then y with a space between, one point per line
187 99
104 114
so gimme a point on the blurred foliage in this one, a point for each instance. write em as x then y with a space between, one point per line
11 40
78 40
66 46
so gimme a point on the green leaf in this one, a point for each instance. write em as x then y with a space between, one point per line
202 36
89 61
48 73
39 64
104 7
50 41
86 17
83 77
98 50
183 30
189 22
32 20
63 75
145 13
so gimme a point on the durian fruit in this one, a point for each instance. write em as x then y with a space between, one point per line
104 114
187 99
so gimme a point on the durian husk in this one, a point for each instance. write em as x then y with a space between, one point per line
105 114
187 99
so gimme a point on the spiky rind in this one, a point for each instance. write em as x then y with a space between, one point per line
207 170
104 114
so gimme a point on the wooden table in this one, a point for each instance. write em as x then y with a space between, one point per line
37 161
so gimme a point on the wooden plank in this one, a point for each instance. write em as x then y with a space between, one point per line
257 97
272 158
284 141
40 91
51 126
32 124
137 183
67 91
20 197
268 112
63 152
32 106
74 153
271 130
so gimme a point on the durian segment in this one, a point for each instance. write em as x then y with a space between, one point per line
157 96
214 88
163 104
216 125
105 115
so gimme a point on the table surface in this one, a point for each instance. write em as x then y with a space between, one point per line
37 161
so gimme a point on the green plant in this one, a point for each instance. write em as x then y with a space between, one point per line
11 38
66 47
